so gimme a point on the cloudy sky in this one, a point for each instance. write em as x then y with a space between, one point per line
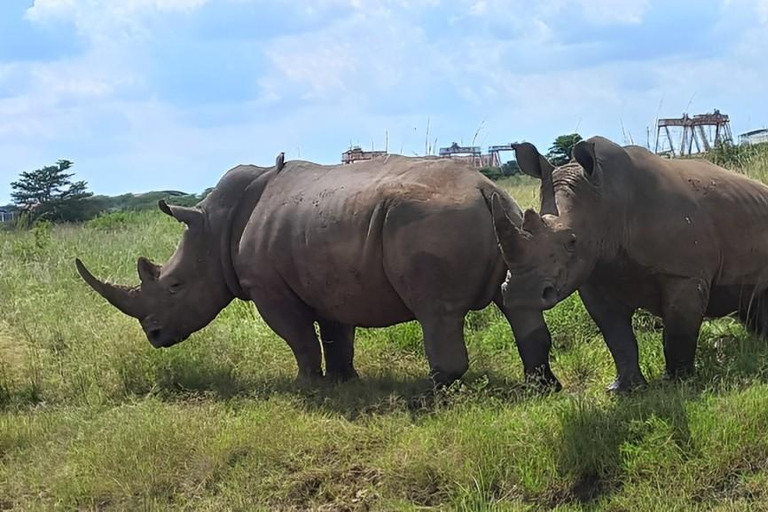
168 94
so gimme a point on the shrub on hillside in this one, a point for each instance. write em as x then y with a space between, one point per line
492 173
111 221
737 157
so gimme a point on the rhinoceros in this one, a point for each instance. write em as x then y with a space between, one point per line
682 238
370 244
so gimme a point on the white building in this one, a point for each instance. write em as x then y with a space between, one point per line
754 137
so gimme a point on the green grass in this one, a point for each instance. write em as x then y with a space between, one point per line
93 418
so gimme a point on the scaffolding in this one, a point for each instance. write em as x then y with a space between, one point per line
472 155
356 154
678 136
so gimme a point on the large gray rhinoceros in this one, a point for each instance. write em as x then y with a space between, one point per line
371 244
684 239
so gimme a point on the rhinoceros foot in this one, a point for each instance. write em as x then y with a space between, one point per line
543 380
627 383
338 376
680 372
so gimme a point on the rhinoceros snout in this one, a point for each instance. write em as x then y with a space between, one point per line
155 337
162 338
549 296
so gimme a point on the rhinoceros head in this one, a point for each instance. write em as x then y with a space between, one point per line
178 298
551 254
538 255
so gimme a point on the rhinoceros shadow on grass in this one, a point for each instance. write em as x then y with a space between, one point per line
371 244
593 436
378 394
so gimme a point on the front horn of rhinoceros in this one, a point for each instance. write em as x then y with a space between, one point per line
127 300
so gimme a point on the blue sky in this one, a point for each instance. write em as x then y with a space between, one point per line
169 94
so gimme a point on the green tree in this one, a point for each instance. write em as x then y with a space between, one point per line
560 152
491 172
50 194
510 168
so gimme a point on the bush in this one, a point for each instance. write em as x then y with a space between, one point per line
111 221
32 246
735 157
492 173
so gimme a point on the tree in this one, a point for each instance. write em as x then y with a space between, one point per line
560 152
50 194
510 168
491 172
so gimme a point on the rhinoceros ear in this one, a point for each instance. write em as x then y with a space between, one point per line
189 216
507 234
532 162
148 271
584 153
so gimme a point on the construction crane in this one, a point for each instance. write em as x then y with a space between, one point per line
692 131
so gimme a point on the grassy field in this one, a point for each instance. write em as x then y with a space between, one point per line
93 418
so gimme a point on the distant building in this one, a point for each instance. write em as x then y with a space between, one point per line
356 154
8 213
754 137
472 155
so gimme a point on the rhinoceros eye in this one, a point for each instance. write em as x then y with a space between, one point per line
174 288
570 244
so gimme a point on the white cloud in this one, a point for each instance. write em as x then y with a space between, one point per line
107 21
364 53
615 11
42 9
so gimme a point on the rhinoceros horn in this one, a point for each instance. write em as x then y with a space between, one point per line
507 234
189 216
127 300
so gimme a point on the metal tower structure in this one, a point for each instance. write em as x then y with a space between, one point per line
678 136
495 150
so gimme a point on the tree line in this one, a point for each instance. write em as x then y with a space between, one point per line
51 194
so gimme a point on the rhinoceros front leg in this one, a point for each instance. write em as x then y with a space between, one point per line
615 323
338 349
683 308
533 343
292 320
444 346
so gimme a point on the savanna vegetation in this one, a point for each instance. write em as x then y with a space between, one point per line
93 418
49 194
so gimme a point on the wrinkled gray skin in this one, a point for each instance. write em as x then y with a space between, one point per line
683 239
370 244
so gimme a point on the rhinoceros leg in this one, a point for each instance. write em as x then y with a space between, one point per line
338 349
753 312
292 321
615 323
444 346
683 308
533 343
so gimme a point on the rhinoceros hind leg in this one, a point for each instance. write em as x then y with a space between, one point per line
338 349
615 323
292 320
685 302
753 312
444 347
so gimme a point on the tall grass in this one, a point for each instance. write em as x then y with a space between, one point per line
93 418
